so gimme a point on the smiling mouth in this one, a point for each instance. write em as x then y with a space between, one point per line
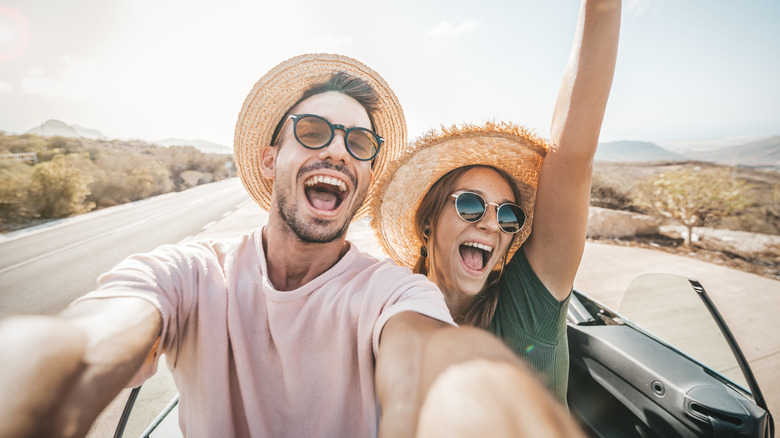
475 255
325 192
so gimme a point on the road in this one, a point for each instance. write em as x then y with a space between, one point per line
44 269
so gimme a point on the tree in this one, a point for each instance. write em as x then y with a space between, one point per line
693 197
60 188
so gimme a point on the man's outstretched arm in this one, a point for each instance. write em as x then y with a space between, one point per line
437 380
60 372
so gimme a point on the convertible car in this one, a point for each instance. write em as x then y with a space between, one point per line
666 365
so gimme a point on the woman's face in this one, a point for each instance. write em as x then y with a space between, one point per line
465 253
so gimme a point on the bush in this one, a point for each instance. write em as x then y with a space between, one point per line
609 193
119 179
75 175
693 197
59 189
15 181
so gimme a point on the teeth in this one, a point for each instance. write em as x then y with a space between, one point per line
487 248
320 179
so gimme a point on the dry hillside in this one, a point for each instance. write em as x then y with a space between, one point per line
612 188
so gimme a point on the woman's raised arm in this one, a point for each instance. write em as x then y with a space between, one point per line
557 241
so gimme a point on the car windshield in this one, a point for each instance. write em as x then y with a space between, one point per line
668 307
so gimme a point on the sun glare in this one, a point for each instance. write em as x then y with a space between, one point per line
14 34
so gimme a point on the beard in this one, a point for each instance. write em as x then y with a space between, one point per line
313 230
310 231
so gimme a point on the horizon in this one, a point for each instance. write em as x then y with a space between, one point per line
149 70
673 146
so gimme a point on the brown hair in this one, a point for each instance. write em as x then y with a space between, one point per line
482 308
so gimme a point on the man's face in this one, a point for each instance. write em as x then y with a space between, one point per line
317 192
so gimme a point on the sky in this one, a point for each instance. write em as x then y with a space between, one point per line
687 70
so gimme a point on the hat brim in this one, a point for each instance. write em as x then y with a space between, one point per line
281 88
504 146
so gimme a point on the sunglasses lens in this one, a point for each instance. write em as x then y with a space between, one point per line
312 132
470 206
510 218
362 143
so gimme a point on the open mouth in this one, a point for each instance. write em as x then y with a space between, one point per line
475 255
325 192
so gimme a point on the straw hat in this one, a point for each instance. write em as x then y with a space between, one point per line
281 88
505 146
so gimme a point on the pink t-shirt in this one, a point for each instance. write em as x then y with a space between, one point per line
249 360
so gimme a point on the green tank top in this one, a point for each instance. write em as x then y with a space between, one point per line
533 323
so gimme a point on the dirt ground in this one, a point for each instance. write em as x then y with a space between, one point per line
766 264
755 253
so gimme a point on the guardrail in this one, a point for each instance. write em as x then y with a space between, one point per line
23 156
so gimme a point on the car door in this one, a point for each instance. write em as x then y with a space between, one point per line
665 365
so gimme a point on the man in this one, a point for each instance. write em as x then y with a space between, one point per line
277 332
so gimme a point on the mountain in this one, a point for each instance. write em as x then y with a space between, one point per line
685 146
764 153
635 151
89 133
201 145
52 128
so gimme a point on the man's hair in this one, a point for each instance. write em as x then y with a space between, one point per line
340 82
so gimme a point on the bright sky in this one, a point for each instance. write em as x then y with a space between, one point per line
152 69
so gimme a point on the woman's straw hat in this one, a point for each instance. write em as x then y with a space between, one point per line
281 88
501 145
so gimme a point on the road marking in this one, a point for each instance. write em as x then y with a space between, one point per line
208 225
122 228
82 242
56 251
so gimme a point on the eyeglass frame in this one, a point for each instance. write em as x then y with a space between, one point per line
498 206
333 128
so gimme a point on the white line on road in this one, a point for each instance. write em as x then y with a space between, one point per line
82 242
56 251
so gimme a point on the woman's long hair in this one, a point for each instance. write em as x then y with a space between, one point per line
483 306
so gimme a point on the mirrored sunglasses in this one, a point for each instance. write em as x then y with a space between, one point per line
315 132
471 208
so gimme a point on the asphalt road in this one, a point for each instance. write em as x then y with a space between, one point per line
45 268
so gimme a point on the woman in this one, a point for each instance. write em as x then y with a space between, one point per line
460 206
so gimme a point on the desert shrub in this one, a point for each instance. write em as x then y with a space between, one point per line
118 179
60 189
606 192
14 144
183 158
15 181
694 197
74 175
64 144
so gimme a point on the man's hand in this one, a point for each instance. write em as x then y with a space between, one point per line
437 380
60 372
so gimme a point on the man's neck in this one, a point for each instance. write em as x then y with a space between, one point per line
291 262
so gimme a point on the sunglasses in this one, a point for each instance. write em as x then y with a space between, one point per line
471 208
315 132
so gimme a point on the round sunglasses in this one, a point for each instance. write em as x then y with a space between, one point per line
315 132
471 208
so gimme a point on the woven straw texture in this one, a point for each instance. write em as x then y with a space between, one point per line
501 145
281 88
